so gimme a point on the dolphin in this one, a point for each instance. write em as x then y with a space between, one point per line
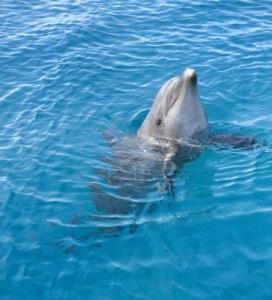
174 131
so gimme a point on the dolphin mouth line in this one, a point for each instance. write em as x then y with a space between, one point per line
179 93
185 86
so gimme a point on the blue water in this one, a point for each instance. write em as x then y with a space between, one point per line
70 70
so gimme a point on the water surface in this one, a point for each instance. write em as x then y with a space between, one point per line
70 70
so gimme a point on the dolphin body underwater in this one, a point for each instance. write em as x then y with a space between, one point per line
174 131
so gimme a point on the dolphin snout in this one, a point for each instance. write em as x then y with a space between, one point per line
191 75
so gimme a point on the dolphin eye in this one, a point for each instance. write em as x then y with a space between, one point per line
158 122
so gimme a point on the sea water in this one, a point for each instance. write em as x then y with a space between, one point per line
71 70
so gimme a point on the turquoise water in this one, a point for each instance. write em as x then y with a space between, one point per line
70 70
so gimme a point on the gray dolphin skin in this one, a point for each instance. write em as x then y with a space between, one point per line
177 112
174 131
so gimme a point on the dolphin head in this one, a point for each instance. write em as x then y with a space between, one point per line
177 112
